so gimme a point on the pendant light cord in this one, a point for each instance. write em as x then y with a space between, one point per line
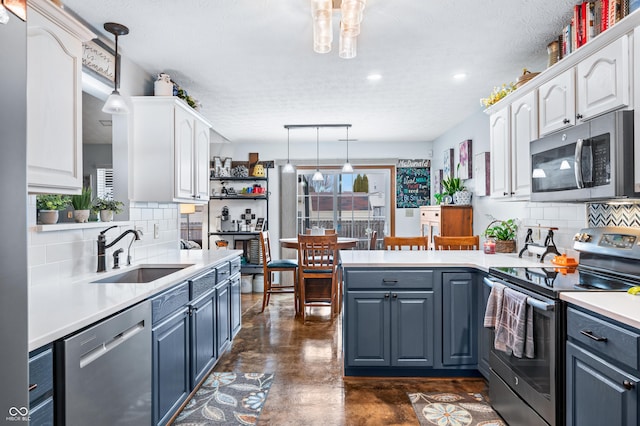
347 144
318 148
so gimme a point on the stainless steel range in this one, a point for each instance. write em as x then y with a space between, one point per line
530 391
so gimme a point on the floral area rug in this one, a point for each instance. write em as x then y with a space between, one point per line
452 409
227 399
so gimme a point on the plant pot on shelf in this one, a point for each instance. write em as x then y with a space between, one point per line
81 216
106 215
462 198
49 217
505 246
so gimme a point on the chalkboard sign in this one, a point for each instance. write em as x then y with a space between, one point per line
413 183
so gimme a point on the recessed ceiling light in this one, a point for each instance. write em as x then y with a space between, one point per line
460 76
374 77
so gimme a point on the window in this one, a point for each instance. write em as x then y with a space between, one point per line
354 204
104 184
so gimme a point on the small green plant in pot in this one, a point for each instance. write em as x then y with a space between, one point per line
82 205
504 233
107 207
49 205
453 186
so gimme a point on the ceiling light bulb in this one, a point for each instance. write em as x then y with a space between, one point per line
317 176
460 76
374 77
347 168
288 168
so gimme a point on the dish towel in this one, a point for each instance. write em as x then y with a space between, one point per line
511 324
494 305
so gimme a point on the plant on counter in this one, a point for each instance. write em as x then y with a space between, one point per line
82 205
52 202
503 230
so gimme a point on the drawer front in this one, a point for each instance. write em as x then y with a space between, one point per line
388 279
42 414
203 283
604 337
428 215
236 264
223 272
41 374
169 301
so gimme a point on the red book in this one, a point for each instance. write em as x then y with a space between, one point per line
577 33
584 22
604 16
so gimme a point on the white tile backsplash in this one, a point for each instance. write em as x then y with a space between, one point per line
61 255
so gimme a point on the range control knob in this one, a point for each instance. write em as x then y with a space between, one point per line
577 237
585 238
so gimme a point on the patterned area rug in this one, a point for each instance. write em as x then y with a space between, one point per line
452 409
227 399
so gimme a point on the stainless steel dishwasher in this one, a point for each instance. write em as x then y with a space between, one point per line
106 372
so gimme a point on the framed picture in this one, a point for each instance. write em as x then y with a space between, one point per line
447 164
466 166
481 164
437 181
259 224
99 60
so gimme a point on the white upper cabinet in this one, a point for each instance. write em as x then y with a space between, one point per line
54 99
170 151
557 107
603 80
500 160
524 129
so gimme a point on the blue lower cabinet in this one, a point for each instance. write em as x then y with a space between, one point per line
412 328
459 325
236 309
171 373
223 307
41 387
42 414
203 336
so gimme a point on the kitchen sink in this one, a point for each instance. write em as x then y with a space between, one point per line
143 274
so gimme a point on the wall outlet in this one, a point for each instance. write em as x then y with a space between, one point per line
156 231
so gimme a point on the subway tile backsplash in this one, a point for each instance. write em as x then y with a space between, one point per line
57 255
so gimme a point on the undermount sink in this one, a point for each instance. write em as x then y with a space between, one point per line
143 274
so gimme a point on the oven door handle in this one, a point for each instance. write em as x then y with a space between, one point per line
578 163
535 303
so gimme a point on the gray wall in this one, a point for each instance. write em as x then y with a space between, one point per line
13 226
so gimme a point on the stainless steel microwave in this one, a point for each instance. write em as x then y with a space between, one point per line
590 161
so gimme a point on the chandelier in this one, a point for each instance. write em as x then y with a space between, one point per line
350 19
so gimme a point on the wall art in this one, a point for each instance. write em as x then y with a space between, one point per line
466 166
447 165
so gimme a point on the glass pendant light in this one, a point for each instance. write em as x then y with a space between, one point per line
347 168
115 102
317 176
288 168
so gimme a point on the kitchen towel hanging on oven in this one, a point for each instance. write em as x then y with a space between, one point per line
512 319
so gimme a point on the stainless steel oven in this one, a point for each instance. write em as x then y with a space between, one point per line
531 391
593 160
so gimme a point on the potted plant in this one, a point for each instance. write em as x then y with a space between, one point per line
82 205
453 186
107 207
49 206
503 232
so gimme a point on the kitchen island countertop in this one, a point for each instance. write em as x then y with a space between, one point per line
58 308
620 306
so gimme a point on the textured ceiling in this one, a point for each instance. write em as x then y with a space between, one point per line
251 63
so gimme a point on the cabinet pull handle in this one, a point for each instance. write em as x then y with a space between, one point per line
395 295
32 386
566 121
579 116
592 336
628 385
505 193
437 214
386 295
389 282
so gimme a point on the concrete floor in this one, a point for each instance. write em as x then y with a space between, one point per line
309 387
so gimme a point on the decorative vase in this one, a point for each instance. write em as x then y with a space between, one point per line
106 215
505 246
462 198
81 216
163 85
49 217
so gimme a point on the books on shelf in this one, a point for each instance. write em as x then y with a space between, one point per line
591 18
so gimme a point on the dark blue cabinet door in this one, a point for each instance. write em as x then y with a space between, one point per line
368 337
170 365
485 335
223 317
236 311
412 328
203 337
459 319
42 414
597 392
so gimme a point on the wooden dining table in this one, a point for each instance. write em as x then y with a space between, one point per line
343 243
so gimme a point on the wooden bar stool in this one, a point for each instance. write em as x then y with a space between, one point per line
456 243
406 243
269 266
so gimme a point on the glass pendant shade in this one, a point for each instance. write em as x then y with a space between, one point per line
115 104
288 168
347 168
317 176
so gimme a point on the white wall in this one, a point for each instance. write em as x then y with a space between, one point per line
569 218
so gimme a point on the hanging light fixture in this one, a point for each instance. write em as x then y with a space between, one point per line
317 175
347 168
351 17
115 102
288 168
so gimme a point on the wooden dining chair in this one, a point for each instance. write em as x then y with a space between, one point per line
269 266
406 243
456 243
373 240
318 272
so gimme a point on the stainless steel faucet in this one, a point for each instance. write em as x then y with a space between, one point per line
102 245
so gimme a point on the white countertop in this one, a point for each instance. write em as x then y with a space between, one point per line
435 258
61 308
619 306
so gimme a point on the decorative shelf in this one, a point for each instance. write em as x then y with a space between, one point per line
232 179
235 233
65 226
238 197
